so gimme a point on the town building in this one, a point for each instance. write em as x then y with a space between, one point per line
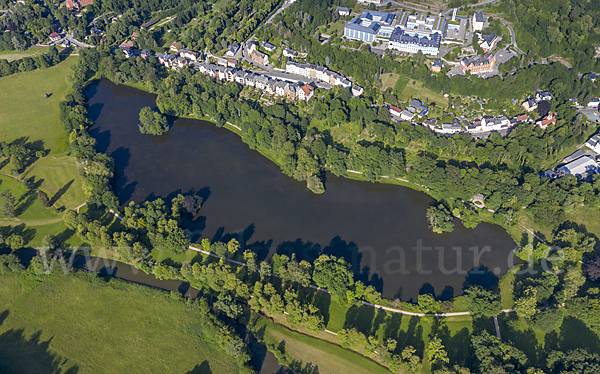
370 26
478 64
594 143
529 105
403 42
437 65
407 115
450 128
488 42
175 47
232 50
78 4
546 121
268 46
54 37
581 167
543 95
260 58
344 12
522 117
357 90
394 111
251 46
306 92
478 21
494 124
422 25
593 103
287 52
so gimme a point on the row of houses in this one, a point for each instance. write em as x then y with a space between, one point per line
313 71
290 90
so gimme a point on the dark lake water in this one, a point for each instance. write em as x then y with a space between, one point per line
380 229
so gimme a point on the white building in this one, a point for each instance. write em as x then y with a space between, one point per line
494 124
594 143
581 168
594 103
395 111
478 21
407 115
357 90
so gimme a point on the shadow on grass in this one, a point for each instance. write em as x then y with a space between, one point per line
61 192
203 368
20 354
25 202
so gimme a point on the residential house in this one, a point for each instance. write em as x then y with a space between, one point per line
478 64
261 82
287 52
70 4
306 92
232 50
431 123
407 115
251 46
292 68
437 66
321 73
395 111
593 103
417 104
488 42
478 21
175 47
250 79
543 95
594 143
529 105
239 76
95 31
357 90
189 54
135 35
546 121
281 88
494 124
581 167
474 127
54 37
146 53
344 12
591 76
231 62
292 91
268 46
222 61
230 74
450 128
522 117
260 58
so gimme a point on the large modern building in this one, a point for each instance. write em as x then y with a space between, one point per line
581 168
371 26
421 25
478 21
404 42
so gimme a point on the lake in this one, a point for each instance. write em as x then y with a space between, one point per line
379 228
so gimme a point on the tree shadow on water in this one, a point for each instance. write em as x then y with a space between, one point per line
21 354
480 276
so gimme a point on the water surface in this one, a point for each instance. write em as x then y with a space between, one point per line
378 228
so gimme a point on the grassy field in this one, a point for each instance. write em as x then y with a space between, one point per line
415 89
87 327
15 55
59 179
27 205
388 80
327 357
26 113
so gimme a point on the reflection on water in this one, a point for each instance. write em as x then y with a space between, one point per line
380 229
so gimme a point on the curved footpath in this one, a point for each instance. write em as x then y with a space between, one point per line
324 290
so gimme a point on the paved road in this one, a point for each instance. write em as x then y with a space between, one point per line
591 114
77 43
283 7
485 3
512 36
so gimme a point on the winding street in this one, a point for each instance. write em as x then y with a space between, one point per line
512 35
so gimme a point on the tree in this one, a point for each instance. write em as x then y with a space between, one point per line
440 219
333 274
8 204
525 306
228 306
50 242
427 304
482 302
493 356
152 123
591 268
576 361
43 198
15 242
191 204
436 352
265 270
352 338
250 258
233 246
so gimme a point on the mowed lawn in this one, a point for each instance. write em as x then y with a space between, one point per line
27 205
25 112
388 80
16 55
327 357
79 324
415 90
59 180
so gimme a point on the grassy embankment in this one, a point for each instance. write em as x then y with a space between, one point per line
89 327
25 115
16 55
